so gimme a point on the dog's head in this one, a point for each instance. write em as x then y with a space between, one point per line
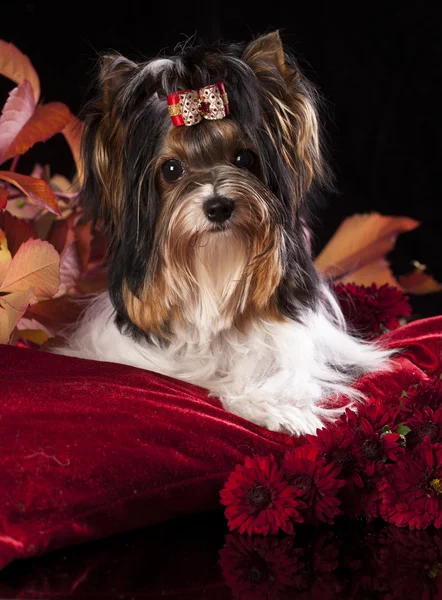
204 219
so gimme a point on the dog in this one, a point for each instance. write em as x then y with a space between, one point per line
202 166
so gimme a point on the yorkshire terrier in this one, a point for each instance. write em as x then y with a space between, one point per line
202 166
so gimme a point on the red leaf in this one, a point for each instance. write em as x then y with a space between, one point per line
17 231
16 113
61 234
56 312
36 189
73 133
16 66
3 197
47 120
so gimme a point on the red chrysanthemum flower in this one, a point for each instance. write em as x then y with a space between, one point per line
258 498
318 481
411 489
372 310
339 445
424 423
377 413
377 446
426 393
259 568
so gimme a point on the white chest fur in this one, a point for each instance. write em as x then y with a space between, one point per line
276 375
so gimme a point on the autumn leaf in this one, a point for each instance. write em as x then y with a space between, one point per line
73 133
36 265
359 241
17 231
378 272
17 111
61 234
83 236
46 121
12 308
57 312
5 255
3 197
418 282
36 336
16 66
69 270
36 189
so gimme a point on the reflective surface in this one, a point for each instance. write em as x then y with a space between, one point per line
197 558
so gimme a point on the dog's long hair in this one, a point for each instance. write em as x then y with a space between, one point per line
168 266
231 303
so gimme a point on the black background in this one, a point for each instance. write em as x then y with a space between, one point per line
377 66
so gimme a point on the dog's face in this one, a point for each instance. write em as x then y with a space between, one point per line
205 220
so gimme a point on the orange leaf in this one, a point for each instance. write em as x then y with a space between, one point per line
3 197
46 121
360 240
73 133
419 283
36 189
16 66
16 113
5 255
12 308
36 265
378 272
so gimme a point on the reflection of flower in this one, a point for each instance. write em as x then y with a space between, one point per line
361 561
317 480
258 568
371 310
411 489
259 500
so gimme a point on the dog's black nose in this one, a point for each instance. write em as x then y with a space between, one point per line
219 209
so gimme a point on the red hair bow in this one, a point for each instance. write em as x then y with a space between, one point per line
189 107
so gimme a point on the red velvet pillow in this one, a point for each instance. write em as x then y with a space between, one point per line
89 449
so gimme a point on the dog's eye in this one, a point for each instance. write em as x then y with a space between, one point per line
172 170
245 159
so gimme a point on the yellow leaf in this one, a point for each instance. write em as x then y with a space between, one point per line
359 241
36 265
34 335
5 255
12 308
16 66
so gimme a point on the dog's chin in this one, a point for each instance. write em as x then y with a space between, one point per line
220 228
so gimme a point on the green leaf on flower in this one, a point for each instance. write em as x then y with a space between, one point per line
403 429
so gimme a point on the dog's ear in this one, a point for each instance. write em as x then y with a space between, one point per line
289 104
266 54
114 72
